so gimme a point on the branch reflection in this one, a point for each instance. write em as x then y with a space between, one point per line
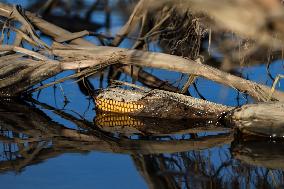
167 154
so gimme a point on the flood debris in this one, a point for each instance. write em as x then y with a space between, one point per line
23 66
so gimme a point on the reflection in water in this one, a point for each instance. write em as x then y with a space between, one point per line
129 125
260 153
183 156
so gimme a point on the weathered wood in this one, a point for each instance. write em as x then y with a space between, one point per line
88 56
264 119
17 75
97 55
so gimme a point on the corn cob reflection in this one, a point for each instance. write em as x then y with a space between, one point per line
109 105
115 120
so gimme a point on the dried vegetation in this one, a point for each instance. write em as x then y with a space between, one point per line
187 30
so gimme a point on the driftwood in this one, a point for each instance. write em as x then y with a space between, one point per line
84 57
264 119
18 74
96 56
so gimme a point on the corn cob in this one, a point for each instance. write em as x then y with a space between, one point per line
109 105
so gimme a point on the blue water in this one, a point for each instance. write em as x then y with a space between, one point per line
98 169
68 171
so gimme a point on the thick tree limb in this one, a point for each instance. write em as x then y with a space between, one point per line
264 119
91 56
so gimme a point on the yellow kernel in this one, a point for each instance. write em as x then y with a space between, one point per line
126 105
123 104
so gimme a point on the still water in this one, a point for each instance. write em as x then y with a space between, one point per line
52 141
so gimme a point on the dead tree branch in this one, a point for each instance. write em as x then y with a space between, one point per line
91 56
